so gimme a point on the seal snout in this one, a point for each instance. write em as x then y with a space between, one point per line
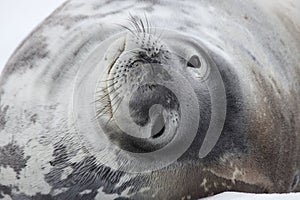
145 111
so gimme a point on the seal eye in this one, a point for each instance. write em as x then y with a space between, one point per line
194 62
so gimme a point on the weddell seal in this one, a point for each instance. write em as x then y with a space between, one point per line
153 100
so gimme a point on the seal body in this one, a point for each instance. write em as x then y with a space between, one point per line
44 153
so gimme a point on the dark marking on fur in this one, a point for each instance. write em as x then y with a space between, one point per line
86 174
102 4
33 118
123 9
4 190
65 21
37 196
12 155
3 111
9 191
27 55
295 182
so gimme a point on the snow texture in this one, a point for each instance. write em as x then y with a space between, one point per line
245 196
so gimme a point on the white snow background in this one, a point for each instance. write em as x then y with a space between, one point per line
19 17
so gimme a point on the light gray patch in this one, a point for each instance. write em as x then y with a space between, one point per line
149 6
9 191
150 1
12 155
149 9
3 111
37 196
29 52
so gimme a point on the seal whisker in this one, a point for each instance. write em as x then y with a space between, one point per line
143 27
108 80
100 112
110 101
106 106
160 36
127 28
111 85
100 99
147 23
135 23
104 91
120 101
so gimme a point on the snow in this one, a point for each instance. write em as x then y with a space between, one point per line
245 196
19 18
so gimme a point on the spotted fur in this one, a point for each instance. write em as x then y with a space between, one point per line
257 50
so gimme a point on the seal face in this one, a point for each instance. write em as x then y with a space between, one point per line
205 100
139 111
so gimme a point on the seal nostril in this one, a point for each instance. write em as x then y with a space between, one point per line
157 135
